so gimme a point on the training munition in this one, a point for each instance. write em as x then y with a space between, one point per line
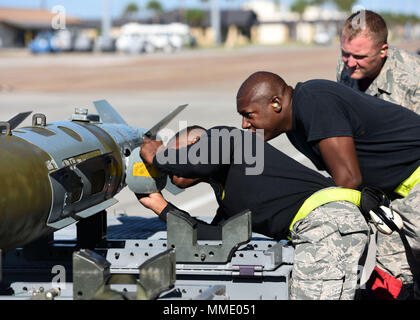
54 174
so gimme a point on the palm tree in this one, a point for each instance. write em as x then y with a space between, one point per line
299 6
156 7
130 10
195 17
345 5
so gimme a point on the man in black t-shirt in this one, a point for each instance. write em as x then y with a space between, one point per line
358 139
285 198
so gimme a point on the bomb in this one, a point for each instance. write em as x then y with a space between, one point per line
54 174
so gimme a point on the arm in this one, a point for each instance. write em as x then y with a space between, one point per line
149 148
193 161
154 201
183 183
340 157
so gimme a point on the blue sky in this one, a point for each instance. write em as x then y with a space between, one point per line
92 8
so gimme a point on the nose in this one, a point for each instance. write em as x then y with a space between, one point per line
351 62
245 123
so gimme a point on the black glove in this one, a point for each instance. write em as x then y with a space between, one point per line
371 199
374 200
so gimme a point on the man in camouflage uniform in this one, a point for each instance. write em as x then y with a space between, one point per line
391 252
328 244
360 140
368 64
392 74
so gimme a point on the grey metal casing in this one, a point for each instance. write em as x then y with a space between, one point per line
149 182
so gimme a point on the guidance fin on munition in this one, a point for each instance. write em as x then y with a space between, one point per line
107 113
18 119
152 132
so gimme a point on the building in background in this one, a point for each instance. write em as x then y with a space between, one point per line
278 24
236 25
19 26
257 21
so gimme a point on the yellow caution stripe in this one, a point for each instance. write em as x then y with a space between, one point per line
405 187
326 196
141 169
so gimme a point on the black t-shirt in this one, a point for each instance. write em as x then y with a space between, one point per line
272 185
386 135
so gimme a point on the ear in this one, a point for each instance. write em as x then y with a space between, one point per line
384 51
195 139
276 104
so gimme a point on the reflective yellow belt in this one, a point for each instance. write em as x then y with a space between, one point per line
405 187
326 196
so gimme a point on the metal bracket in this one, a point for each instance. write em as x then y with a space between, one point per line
81 114
245 271
90 271
182 235
92 278
5 129
281 253
92 230
158 274
39 116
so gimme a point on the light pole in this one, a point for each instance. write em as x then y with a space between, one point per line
106 19
215 21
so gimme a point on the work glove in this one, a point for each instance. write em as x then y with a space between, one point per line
376 207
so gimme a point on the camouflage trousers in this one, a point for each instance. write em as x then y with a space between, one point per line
391 254
329 244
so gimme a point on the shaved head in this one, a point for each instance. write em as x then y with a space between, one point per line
264 101
261 85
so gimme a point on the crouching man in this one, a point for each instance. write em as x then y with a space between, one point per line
286 198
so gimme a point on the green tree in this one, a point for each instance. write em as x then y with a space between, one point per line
195 17
299 6
318 2
130 10
156 7
393 19
344 5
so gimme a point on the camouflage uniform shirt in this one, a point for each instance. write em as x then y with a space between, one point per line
398 82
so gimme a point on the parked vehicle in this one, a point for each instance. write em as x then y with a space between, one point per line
83 42
105 44
149 38
44 42
52 41
322 38
131 39
64 39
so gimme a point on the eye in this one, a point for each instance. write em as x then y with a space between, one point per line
359 57
345 54
248 115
